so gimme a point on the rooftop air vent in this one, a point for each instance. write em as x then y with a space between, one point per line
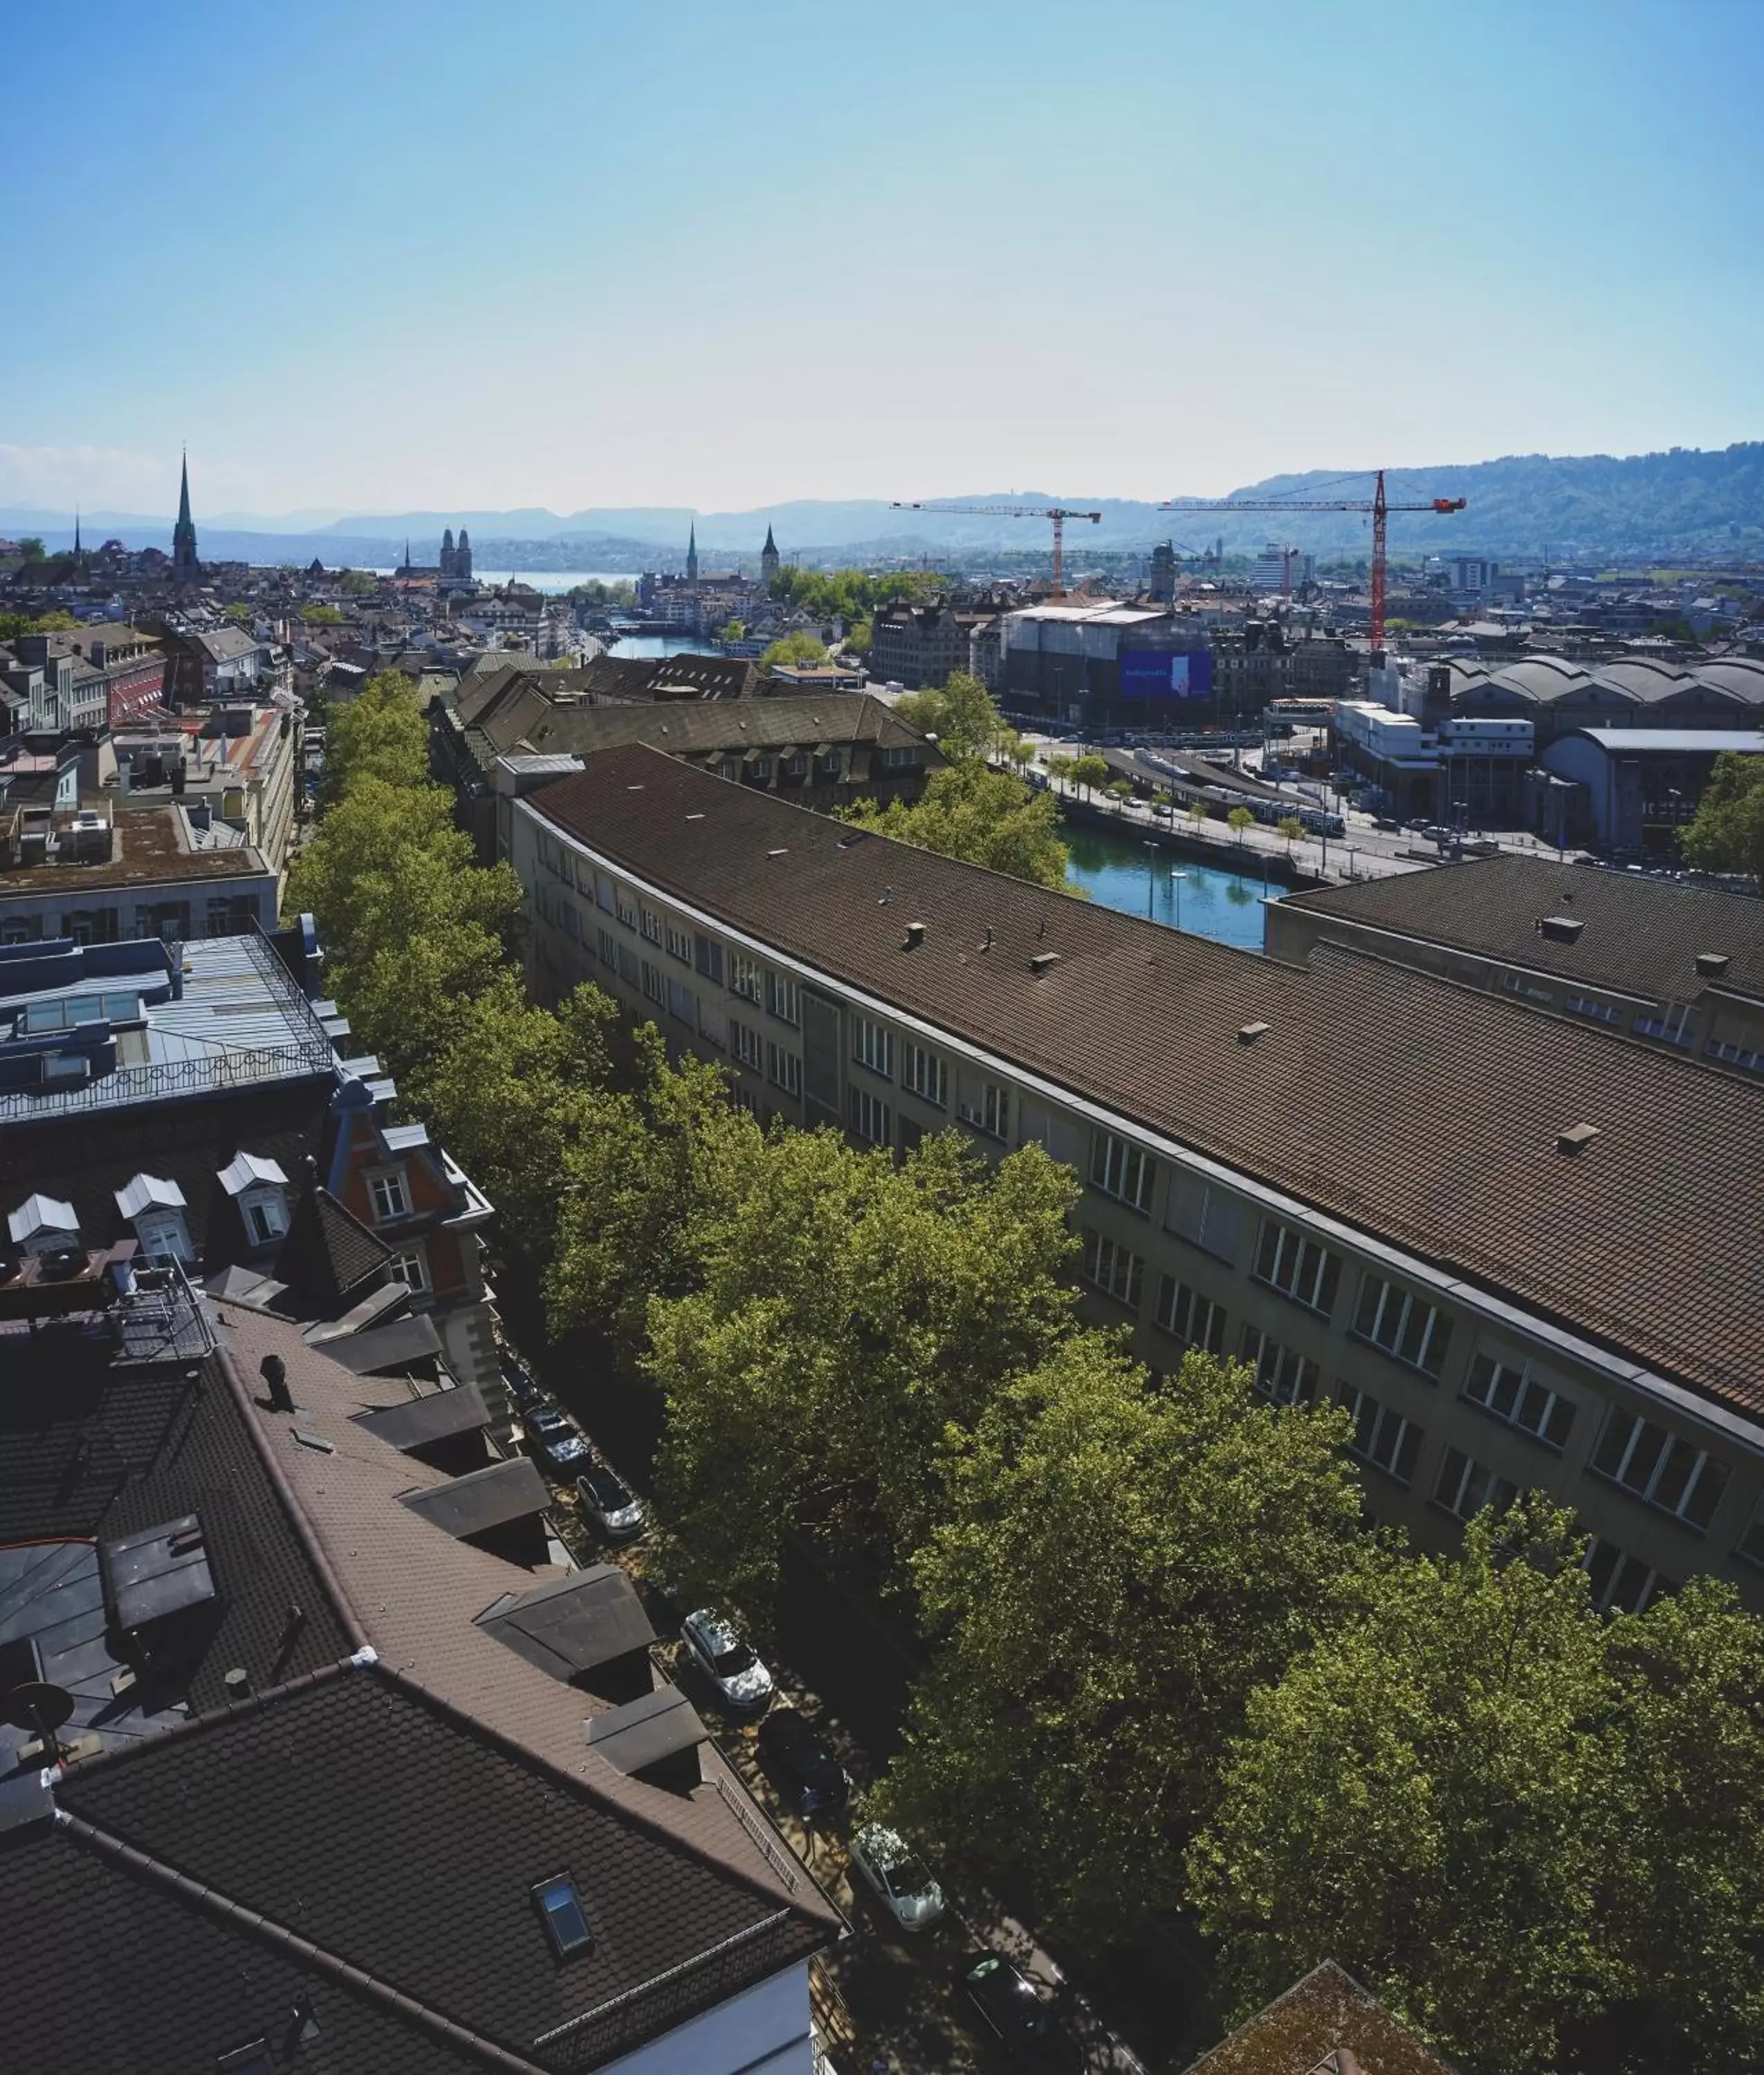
1249 1033
780 852
1576 1138
915 936
1560 929
1711 965
698 817
1040 961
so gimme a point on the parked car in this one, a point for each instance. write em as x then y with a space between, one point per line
801 1762
1013 2009
902 1880
522 1388
552 1438
729 1663
609 1503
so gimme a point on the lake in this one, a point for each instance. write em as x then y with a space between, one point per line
1120 873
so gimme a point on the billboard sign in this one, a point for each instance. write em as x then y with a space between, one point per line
1152 674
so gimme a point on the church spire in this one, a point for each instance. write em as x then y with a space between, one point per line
692 553
76 532
183 562
768 560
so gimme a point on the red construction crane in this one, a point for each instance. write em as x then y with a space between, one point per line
1058 513
1377 505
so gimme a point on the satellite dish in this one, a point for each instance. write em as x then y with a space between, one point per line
39 1706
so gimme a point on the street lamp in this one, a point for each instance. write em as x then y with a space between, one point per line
1151 875
1179 877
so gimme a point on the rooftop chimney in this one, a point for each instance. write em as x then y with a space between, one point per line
915 936
1711 965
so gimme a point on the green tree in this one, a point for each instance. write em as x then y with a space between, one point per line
859 635
960 714
982 816
1089 771
1061 770
238 613
1197 814
1116 1568
12 625
796 650
1239 819
31 548
357 583
849 1313
1539 1836
1727 834
321 615
733 631
1291 828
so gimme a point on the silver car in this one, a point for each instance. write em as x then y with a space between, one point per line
902 1880
728 1662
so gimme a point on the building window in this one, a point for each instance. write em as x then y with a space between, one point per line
606 893
872 1046
410 1266
1298 1267
1123 1171
784 1069
1114 1269
1513 1395
782 999
655 984
265 1219
1408 1328
1751 1545
1196 1321
1671 1026
1731 1053
900 758
745 977
650 924
163 1237
561 1911
746 1044
870 1118
1381 1437
707 960
1465 1487
683 1004
607 946
679 943
1280 1375
924 1072
628 965
388 1194
746 1099
987 1107
1621 1583
1589 1005
624 907
1660 1468
1527 989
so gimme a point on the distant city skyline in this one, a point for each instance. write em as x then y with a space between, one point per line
572 258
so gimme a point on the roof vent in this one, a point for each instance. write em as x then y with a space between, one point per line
1249 1033
637 788
915 936
698 817
1576 1138
1040 961
781 852
1560 929
1711 965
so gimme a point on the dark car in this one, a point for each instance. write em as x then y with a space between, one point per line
1012 2008
522 1388
552 1439
801 1762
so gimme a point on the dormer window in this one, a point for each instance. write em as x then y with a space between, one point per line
389 1195
156 1208
259 1187
43 1224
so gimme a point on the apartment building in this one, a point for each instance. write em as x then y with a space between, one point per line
1518 1249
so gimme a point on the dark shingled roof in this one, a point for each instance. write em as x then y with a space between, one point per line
329 1251
409 1840
846 718
1423 1113
1642 935
1327 2011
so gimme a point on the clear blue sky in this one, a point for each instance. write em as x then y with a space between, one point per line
383 256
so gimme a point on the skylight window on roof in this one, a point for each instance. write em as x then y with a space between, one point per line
565 1921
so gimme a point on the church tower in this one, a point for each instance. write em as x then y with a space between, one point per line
447 553
462 557
769 561
692 555
185 566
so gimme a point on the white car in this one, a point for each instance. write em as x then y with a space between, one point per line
728 1662
902 1881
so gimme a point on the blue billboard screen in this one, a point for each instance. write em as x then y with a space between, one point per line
1146 674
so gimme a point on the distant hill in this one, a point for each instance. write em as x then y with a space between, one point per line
1684 502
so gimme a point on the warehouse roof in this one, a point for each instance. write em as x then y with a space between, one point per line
1425 1114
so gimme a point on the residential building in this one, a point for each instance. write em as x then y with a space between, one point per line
916 645
1507 1242
362 1771
1628 790
206 664
191 1097
1669 964
242 762
101 873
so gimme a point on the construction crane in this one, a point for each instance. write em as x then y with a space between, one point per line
1377 505
1058 513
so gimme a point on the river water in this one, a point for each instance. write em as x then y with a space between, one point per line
1121 872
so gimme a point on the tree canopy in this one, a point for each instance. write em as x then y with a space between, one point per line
1727 833
12 625
960 714
798 649
981 816
852 594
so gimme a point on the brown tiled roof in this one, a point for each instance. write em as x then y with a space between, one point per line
1642 935
1423 1113
1298 2032
328 1252
686 730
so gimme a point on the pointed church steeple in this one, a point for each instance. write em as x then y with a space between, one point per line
77 551
768 560
185 568
692 553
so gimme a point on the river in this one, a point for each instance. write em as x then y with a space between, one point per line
1121 872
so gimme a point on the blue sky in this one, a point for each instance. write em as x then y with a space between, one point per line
380 256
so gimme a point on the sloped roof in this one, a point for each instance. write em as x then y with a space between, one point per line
1301 2032
329 1251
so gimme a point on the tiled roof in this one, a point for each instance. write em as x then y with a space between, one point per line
1301 2031
352 1809
90 1450
329 1251
686 730
1424 1114
1642 935
110 1969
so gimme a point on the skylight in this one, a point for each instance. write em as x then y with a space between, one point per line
565 1921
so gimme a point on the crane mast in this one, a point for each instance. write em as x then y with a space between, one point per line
1057 513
